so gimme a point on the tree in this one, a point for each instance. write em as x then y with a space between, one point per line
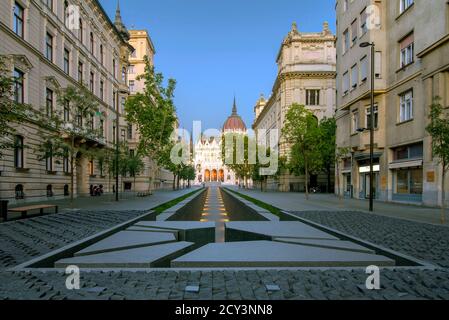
153 112
11 112
258 167
439 131
238 155
301 131
327 145
134 166
67 134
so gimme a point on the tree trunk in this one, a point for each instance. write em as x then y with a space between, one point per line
307 179
443 196
177 182
174 181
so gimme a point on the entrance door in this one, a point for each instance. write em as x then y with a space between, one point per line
214 175
365 185
207 176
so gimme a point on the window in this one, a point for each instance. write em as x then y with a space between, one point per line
18 20
101 90
354 76
66 61
122 105
346 43
49 4
364 69
313 97
376 117
414 151
80 72
134 54
81 31
18 86
101 54
345 5
101 128
130 131
132 86
19 192
65 161
409 181
123 134
405 4
49 158
355 121
354 31
49 191
114 67
345 83
66 111
79 118
92 45
124 74
18 152
364 22
407 50
131 69
406 106
91 82
92 122
49 46
66 13
49 102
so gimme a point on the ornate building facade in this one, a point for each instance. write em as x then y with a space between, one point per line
306 75
208 159
152 177
411 69
46 50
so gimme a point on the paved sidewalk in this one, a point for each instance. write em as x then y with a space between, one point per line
327 202
108 203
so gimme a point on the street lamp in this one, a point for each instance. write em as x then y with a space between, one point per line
371 126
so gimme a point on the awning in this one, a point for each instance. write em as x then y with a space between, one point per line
366 169
405 164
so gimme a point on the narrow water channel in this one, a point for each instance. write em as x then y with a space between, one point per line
214 211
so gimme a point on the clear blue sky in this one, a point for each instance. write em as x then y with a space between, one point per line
215 48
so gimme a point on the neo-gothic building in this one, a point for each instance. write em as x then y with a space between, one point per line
208 158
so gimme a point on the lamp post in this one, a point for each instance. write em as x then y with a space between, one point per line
371 126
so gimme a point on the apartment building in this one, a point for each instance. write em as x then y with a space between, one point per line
306 75
411 41
52 44
153 176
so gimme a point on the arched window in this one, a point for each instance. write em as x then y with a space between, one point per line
49 190
19 192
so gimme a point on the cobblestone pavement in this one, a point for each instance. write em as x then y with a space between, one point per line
424 241
221 285
28 238
24 239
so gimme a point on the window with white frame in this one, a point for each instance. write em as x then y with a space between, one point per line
407 50
132 88
354 31
363 22
406 106
355 121
345 83
364 69
405 4
354 76
49 46
18 20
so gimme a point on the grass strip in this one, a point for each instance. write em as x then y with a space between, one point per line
269 207
161 208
